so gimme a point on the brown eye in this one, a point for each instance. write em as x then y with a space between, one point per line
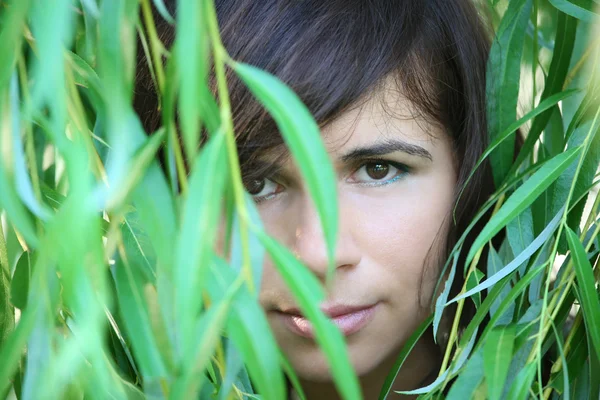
255 186
377 170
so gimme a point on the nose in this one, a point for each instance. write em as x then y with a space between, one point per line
309 242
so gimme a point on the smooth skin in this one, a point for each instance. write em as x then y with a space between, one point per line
394 215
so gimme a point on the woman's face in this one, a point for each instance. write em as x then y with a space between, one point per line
396 178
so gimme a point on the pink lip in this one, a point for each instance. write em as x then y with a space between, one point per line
349 319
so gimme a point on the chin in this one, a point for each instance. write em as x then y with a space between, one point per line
311 364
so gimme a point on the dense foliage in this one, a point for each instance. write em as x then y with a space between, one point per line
110 287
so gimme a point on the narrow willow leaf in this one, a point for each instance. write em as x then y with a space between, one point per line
440 303
191 53
458 363
497 353
519 231
543 106
565 369
523 197
138 166
494 266
302 136
201 212
502 85
19 286
473 280
163 11
207 335
13 21
137 321
469 379
522 384
576 11
7 311
257 252
289 370
587 289
308 293
13 347
260 352
539 241
559 67
406 349
22 180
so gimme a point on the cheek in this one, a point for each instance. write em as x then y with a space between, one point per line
403 234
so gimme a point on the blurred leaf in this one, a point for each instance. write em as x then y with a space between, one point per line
302 136
497 353
13 20
259 352
308 293
7 312
13 348
164 12
588 294
257 252
201 212
19 287
576 11
207 335
502 86
137 320
523 197
145 154
191 52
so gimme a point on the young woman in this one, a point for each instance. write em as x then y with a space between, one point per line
398 88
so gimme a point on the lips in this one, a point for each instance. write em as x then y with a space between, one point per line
349 319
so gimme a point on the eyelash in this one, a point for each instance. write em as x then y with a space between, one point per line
402 171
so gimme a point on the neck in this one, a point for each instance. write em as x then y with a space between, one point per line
416 372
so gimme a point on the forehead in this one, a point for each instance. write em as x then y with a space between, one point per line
382 114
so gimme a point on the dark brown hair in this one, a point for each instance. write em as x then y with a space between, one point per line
332 53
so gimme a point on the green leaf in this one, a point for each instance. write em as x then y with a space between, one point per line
443 298
308 293
502 85
588 294
201 212
145 154
469 379
7 312
19 287
207 335
563 49
302 136
497 353
576 11
494 266
523 197
136 317
519 259
260 352
12 349
522 384
191 52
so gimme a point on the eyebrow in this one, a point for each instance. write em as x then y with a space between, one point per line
386 147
